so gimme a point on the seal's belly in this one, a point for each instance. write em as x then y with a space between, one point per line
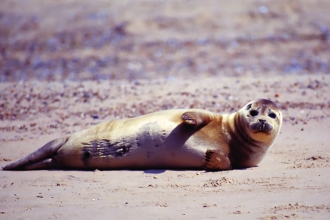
158 142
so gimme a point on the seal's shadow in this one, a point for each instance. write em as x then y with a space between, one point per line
180 134
154 171
178 137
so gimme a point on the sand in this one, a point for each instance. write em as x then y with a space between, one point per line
164 55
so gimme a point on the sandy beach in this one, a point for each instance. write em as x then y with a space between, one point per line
68 65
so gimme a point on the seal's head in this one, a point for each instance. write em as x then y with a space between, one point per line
263 118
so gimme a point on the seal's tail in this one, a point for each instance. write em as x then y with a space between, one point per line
35 159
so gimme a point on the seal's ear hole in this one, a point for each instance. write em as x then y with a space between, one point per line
272 115
248 106
254 112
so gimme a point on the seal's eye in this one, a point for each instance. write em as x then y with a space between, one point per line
272 115
254 113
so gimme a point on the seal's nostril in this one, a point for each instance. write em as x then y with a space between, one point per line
262 120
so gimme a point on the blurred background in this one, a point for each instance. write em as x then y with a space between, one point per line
96 40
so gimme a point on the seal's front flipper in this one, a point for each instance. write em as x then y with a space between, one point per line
37 158
216 160
196 119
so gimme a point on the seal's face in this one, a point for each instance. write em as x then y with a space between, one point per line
263 119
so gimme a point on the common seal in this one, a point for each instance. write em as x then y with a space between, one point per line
170 139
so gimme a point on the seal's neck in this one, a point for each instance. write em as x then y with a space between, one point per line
244 150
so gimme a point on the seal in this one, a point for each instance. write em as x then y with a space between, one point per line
170 139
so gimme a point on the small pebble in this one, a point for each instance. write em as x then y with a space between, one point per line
263 9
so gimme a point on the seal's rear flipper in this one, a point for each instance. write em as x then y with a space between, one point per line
216 160
43 165
196 119
37 159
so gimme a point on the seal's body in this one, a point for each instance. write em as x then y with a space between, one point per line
172 139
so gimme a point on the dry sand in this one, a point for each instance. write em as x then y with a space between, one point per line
291 182
154 62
